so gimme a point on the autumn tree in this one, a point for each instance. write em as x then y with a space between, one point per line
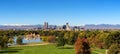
82 46
51 39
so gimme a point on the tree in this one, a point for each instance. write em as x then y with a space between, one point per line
114 49
11 41
100 39
66 37
44 38
51 39
81 34
3 41
113 38
71 39
60 41
19 40
82 46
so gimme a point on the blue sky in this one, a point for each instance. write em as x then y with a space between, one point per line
58 12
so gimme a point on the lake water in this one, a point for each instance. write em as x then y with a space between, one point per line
28 41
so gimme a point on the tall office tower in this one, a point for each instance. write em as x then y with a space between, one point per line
67 27
45 25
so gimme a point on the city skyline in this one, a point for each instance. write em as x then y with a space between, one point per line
58 12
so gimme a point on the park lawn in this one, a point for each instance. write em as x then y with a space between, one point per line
100 50
43 49
97 50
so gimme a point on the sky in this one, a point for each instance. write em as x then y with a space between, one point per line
58 12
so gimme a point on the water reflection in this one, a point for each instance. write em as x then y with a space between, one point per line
29 41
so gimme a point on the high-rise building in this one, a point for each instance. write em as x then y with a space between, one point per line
76 28
45 25
68 27
64 27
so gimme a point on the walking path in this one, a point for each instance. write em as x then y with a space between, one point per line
33 44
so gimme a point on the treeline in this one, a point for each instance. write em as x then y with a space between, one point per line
96 38
24 32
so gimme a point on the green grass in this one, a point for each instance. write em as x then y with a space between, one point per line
96 50
46 49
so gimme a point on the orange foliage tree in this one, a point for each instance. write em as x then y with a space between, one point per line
82 46
51 39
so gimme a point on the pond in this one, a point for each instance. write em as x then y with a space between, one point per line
26 41
29 41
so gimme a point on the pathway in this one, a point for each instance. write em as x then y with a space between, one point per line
32 44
